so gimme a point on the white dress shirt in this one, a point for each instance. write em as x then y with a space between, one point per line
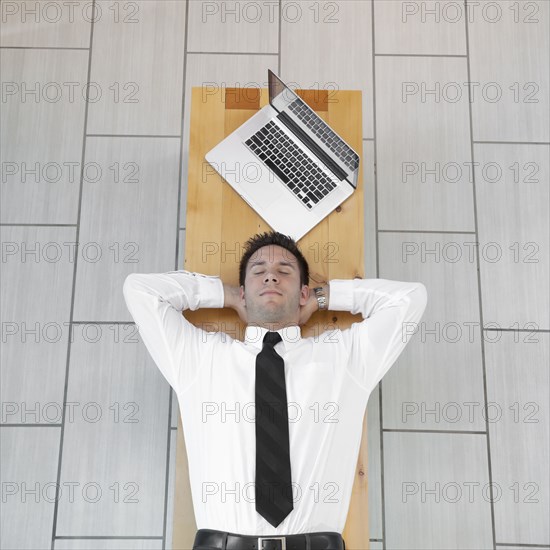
328 381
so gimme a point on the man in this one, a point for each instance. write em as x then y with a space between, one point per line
272 424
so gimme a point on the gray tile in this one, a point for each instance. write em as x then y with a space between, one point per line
513 205
229 26
184 525
517 388
521 547
108 544
376 545
35 312
369 208
437 381
29 458
179 265
41 134
509 59
420 27
171 490
374 472
137 64
175 411
316 52
115 445
434 491
423 145
215 72
141 192
47 24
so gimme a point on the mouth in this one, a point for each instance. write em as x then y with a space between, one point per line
270 292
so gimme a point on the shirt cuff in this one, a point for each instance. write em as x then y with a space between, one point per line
341 294
209 287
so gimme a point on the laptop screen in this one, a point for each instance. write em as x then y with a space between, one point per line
278 87
294 111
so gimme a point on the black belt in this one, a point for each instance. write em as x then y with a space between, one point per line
209 539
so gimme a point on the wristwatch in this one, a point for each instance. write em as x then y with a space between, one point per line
321 298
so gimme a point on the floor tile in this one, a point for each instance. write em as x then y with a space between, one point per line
32 24
29 475
229 26
437 382
428 27
513 205
115 444
510 75
435 486
423 145
42 132
37 282
374 469
136 60
128 222
517 389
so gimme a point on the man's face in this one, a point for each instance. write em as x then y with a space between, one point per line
272 290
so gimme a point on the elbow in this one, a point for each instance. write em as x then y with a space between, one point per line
129 285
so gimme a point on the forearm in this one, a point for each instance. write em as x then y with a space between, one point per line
369 296
230 295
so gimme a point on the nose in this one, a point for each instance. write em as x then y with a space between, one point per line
270 276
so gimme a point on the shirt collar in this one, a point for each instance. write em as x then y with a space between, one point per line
291 335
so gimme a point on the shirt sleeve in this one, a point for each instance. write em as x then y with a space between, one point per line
391 311
156 302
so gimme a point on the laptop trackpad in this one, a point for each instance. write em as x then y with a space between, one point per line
261 187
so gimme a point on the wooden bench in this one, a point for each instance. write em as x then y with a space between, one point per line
218 224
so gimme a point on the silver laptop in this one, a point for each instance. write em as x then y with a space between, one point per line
287 163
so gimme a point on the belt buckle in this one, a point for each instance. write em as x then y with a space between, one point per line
261 539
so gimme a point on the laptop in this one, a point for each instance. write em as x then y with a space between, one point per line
288 164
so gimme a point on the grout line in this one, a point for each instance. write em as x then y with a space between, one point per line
522 545
434 431
71 315
478 273
425 231
132 135
38 224
178 214
377 248
543 330
417 55
65 537
233 53
512 142
40 48
279 37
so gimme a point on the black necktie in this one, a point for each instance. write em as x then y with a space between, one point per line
273 477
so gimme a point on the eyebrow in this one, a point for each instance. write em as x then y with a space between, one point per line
262 262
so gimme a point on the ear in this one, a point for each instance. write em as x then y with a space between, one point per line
304 295
241 293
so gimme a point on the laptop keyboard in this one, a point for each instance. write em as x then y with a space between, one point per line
296 170
325 134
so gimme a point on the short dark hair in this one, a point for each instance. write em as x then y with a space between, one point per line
275 238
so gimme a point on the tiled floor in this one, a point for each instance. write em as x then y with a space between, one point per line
456 151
